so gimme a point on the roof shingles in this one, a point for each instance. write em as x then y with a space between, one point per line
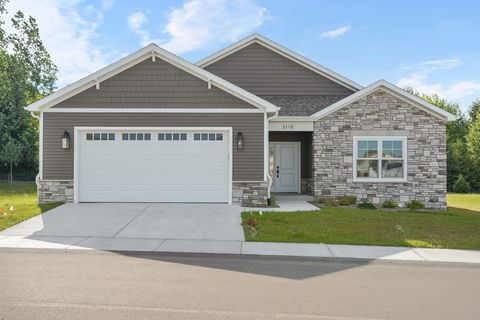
301 105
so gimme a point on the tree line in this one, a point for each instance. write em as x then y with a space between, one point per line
27 73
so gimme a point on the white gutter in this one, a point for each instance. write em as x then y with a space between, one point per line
40 149
267 151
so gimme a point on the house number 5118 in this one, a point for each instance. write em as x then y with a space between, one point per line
287 126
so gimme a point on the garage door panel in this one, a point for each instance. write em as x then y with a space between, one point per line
154 170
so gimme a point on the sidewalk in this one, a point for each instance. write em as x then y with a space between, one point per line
243 248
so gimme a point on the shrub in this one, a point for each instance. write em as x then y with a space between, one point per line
272 202
390 204
415 204
327 201
366 205
461 185
347 200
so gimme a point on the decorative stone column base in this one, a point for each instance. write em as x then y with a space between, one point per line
250 193
55 191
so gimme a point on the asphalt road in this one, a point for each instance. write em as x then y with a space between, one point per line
40 284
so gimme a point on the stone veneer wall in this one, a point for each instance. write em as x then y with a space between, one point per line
247 193
381 114
306 186
55 191
250 193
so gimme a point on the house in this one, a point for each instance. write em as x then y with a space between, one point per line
252 119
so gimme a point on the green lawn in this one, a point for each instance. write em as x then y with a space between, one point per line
21 197
458 227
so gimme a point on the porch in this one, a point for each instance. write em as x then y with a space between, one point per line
291 162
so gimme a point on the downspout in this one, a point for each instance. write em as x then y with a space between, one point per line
267 151
40 147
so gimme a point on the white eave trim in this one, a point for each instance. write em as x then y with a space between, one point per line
292 118
138 56
152 110
287 53
395 91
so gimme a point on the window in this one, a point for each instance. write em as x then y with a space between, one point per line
137 136
100 136
208 136
380 159
172 136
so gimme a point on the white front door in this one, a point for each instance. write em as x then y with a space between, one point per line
152 165
285 166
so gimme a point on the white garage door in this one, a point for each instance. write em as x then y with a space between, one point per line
152 165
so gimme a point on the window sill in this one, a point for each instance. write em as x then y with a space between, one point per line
373 180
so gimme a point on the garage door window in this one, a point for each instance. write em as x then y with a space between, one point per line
208 136
100 136
177 136
136 136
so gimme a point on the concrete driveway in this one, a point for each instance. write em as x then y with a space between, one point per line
135 220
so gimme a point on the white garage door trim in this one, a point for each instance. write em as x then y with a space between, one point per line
76 150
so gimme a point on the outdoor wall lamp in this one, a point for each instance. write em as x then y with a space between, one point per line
240 141
66 140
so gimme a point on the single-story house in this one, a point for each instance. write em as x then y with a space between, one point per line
252 119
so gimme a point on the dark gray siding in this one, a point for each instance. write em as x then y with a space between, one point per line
265 72
151 84
247 164
305 139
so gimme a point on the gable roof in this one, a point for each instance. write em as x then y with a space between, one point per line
153 51
295 57
395 91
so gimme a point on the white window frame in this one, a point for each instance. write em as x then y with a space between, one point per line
380 140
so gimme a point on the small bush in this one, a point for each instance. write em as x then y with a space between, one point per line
347 200
272 202
461 185
390 204
366 205
415 204
327 201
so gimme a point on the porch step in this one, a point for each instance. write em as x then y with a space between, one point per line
293 197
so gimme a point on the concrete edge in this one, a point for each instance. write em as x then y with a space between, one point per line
306 250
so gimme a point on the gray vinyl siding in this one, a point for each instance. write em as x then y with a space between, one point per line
305 139
151 84
265 72
247 164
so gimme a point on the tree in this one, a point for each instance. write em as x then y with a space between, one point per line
26 75
461 185
473 141
11 153
474 110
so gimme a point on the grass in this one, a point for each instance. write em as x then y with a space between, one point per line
21 197
458 227
464 201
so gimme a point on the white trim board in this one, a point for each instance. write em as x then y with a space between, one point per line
291 126
152 110
76 149
150 51
287 53
395 91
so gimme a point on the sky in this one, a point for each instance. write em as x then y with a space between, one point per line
430 45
